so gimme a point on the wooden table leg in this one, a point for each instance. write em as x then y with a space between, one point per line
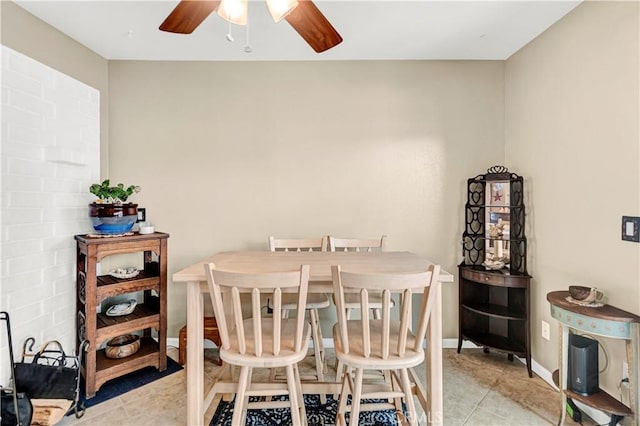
633 350
435 413
564 370
195 354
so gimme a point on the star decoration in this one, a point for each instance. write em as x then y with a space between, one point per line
497 197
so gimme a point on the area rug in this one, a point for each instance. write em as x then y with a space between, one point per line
124 384
318 414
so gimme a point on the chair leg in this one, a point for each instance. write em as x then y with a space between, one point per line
274 371
412 416
272 374
340 371
396 386
238 407
376 314
317 348
321 350
386 375
303 412
293 395
338 364
342 403
245 406
355 399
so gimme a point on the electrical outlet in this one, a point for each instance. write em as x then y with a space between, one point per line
546 332
625 370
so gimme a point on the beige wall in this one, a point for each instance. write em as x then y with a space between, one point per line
230 153
572 119
27 34
370 147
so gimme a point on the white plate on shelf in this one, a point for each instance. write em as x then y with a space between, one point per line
124 273
594 304
122 308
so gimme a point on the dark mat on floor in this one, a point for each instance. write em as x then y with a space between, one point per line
317 414
124 384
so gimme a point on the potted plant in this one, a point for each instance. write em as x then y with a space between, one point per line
110 213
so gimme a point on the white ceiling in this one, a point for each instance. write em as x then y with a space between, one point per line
371 29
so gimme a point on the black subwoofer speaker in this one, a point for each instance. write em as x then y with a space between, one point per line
583 364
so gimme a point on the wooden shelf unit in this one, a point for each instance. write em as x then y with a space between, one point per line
494 311
493 306
606 321
92 290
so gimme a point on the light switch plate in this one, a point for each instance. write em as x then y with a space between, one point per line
630 228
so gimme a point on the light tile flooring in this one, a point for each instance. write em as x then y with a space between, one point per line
479 389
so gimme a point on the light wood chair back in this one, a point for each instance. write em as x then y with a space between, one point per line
406 285
297 244
315 301
391 345
232 284
261 342
357 244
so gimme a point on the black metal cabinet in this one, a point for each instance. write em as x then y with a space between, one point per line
493 282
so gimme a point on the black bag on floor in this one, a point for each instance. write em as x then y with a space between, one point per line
50 374
8 411
15 408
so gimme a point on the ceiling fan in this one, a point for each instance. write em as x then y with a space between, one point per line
302 15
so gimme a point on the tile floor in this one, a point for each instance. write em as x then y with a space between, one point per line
479 389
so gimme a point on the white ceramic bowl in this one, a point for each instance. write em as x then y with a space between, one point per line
147 229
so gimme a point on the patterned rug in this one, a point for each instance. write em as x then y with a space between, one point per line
317 414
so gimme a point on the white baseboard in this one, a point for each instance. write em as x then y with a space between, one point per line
598 416
173 341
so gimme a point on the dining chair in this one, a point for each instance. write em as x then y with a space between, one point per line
357 244
387 344
261 342
360 244
315 301
351 300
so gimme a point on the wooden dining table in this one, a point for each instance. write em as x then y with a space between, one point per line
320 263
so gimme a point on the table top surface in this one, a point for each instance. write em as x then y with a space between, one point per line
320 263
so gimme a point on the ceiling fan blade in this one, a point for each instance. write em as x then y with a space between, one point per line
187 15
312 25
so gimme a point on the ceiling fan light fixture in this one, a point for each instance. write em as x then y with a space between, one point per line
234 11
281 8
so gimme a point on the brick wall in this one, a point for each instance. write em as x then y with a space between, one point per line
49 157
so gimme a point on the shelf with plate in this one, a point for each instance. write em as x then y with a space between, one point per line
150 314
494 295
147 279
145 315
